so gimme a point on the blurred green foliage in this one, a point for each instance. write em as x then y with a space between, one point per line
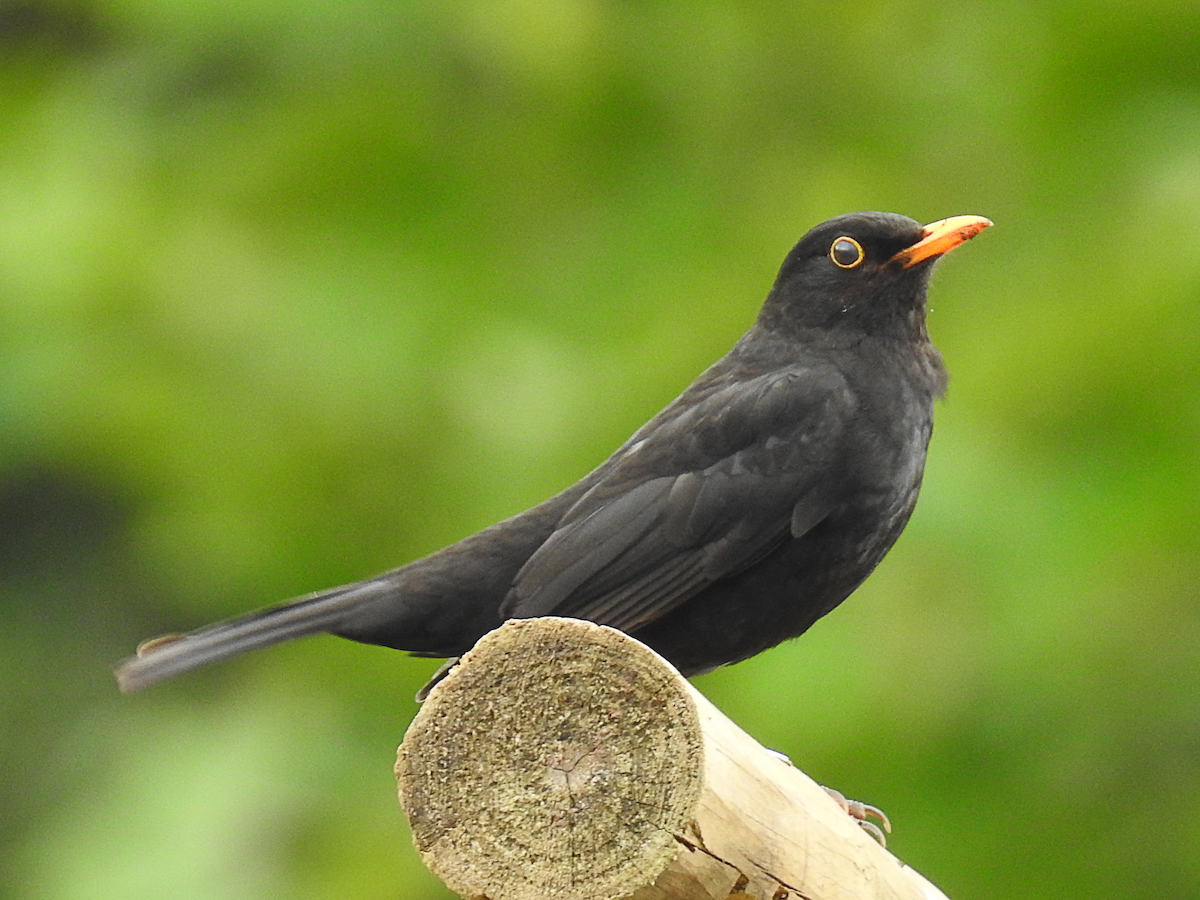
291 293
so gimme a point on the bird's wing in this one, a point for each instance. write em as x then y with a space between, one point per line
707 488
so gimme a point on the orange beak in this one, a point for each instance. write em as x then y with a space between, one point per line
941 237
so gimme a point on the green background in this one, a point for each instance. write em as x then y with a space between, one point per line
291 293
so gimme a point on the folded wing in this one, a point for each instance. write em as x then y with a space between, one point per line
710 486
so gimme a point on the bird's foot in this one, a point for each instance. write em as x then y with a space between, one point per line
860 812
442 672
863 813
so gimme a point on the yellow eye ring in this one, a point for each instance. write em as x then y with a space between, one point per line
846 253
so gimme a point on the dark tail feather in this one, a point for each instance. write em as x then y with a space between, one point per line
165 657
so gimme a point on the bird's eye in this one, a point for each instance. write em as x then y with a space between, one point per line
846 253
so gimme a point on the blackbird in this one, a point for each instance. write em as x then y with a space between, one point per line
748 508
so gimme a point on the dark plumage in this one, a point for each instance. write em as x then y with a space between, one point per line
751 506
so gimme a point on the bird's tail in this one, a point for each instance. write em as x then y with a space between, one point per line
165 657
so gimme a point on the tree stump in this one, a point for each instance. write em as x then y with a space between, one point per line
562 759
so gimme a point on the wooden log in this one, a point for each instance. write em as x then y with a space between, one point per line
561 759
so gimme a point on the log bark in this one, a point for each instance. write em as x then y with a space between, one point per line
561 759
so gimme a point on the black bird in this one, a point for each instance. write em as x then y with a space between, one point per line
751 506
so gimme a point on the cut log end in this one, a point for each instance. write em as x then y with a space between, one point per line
559 759
564 760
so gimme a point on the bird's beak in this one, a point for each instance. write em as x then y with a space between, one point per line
941 237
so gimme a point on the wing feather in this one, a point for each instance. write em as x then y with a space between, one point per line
705 489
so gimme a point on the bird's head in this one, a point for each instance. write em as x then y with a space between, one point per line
863 273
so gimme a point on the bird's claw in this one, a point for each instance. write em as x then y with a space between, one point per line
442 672
862 813
782 757
874 831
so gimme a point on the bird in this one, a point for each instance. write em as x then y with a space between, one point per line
748 508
